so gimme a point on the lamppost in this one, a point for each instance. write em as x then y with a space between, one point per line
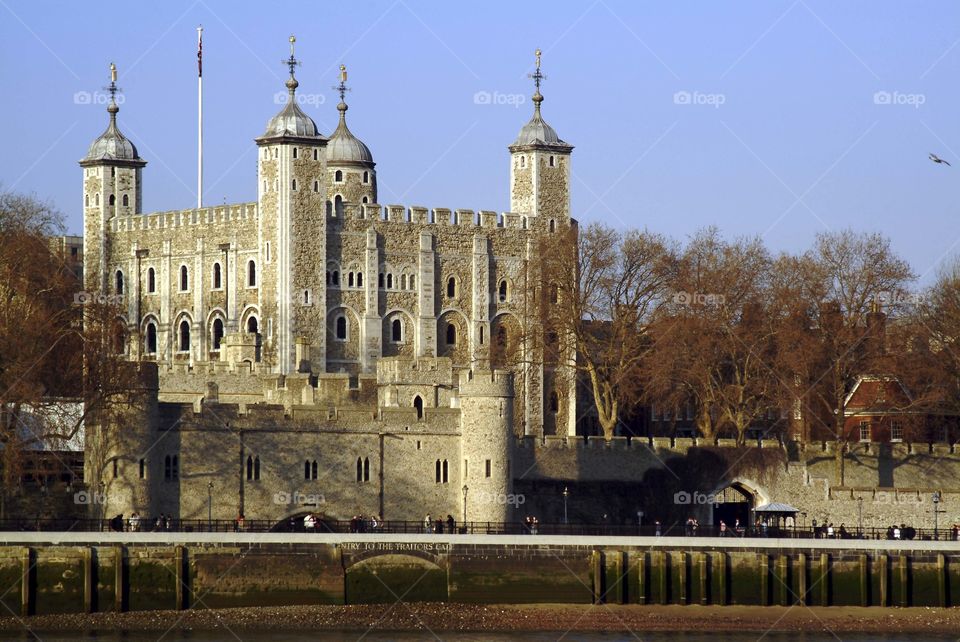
860 514
936 513
465 489
102 499
209 504
566 494
639 521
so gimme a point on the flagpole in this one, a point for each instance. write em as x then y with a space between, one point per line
199 116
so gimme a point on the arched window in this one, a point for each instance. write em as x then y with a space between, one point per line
316 186
418 404
306 297
151 338
338 176
217 333
359 469
438 477
184 279
151 280
350 280
366 469
294 185
364 200
112 200
380 280
86 200
184 336
403 281
389 281
256 467
249 468
366 177
126 200
175 467
396 331
97 199
329 209
451 334
502 291
553 162
217 278
554 402
341 329
553 226
119 338
445 469
336 277
313 469
451 287
359 279
306 470
294 152
119 283
523 161
252 274
338 206
413 282
252 325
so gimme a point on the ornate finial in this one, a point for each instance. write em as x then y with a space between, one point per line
292 63
342 88
538 77
112 108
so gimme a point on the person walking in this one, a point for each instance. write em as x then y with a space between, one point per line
427 524
451 524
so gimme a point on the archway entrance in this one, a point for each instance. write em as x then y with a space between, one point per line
733 503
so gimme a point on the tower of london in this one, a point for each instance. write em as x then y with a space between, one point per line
316 343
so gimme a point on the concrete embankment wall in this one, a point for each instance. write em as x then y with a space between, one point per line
43 573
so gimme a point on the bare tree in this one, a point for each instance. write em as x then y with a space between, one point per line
602 287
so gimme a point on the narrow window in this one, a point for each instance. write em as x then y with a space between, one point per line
249 468
350 280
553 162
396 331
342 328
167 468
389 281
294 185
336 277
451 287
306 297
366 469
217 333
380 280
366 177
217 280
143 468
523 161
418 404
364 200
252 274
403 281
489 468
502 291
252 325
184 279
338 176
316 186
175 470
359 279
113 172
306 470
268 251
359 469
112 201
451 334
313 468
184 336
119 282
151 338
256 467
294 152
86 200
481 335
554 402
413 282
97 199
315 156
438 471
151 280
445 468
126 201
338 206
553 226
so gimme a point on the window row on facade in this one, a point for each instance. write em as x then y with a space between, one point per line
216 278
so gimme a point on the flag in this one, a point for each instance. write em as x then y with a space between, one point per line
200 52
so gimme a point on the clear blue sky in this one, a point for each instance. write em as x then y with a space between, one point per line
783 137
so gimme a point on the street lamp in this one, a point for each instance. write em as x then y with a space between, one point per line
209 504
465 489
860 514
102 498
566 494
936 513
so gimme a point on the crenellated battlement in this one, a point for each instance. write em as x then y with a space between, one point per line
205 216
439 216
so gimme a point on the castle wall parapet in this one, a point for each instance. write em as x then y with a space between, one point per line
205 216
438 216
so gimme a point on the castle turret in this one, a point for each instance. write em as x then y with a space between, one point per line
540 167
111 187
292 189
350 165
486 426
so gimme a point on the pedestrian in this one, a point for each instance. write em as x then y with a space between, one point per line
375 522
439 525
535 526
451 524
896 532
723 528
427 524
135 522
309 522
657 531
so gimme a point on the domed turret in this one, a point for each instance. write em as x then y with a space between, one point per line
291 121
352 178
537 132
343 146
111 145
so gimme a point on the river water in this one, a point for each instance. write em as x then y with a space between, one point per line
385 636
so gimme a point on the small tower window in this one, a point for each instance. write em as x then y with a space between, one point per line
350 280
336 277
446 468
294 185
403 281
96 199
553 226
151 338
252 274
315 155
366 469
451 334
418 405
413 282
338 206
86 200
119 282
126 200
252 325
366 177
451 287
553 162
294 152
502 291
380 280
359 279
364 200
338 176
113 172
316 186
112 200
437 467
306 297
396 331
217 333
217 280
184 336
341 328
143 468
523 161
184 279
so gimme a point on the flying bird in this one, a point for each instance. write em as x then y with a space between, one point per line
937 159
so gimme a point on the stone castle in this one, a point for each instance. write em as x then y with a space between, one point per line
315 351
357 320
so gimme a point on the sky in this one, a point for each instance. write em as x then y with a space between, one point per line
770 118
